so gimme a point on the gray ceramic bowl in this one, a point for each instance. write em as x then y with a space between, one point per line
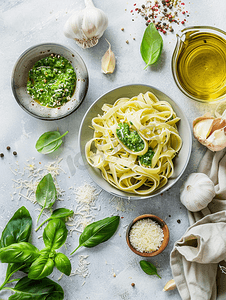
20 75
86 133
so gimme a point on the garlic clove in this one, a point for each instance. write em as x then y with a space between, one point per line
108 61
210 132
197 192
170 285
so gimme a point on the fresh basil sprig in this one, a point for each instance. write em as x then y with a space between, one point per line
46 193
18 229
45 288
98 232
148 268
54 236
151 45
49 142
21 255
59 213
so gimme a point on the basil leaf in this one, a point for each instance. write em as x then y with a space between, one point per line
44 289
55 234
46 193
98 232
22 252
148 268
18 229
42 266
151 45
59 213
63 264
49 142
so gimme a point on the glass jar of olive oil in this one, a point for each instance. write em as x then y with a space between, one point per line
199 63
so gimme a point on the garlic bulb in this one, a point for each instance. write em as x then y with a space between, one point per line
108 61
210 131
86 26
197 192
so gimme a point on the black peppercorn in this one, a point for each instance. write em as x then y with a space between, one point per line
8 148
1 155
14 153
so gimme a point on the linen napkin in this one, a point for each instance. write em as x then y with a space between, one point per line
196 256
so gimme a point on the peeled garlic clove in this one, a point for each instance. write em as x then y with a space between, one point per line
170 285
210 132
197 192
108 61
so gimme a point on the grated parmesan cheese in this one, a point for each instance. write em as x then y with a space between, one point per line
31 176
82 269
86 196
146 235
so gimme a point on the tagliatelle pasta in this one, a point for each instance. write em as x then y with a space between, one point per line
155 122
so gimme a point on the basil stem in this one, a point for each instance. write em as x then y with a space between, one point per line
98 232
59 213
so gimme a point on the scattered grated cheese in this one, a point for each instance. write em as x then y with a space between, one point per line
122 205
82 269
86 196
146 235
31 176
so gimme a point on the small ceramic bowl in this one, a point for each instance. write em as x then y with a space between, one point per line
20 76
165 232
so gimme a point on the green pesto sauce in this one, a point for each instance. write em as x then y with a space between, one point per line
51 81
146 159
130 139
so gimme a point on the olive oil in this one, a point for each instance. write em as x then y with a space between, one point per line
201 65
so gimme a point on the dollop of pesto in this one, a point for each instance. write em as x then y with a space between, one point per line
130 139
51 81
146 159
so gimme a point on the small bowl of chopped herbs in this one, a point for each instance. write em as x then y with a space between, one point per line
147 235
49 81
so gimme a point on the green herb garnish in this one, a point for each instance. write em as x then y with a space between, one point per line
146 159
151 45
148 268
98 232
46 193
49 142
130 139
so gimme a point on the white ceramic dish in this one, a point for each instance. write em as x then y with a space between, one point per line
85 134
20 76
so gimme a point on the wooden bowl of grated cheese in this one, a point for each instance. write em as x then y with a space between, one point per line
147 235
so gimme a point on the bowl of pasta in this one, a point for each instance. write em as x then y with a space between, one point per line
135 142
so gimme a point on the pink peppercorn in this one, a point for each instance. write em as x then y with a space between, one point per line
183 12
182 22
131 11
134 4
